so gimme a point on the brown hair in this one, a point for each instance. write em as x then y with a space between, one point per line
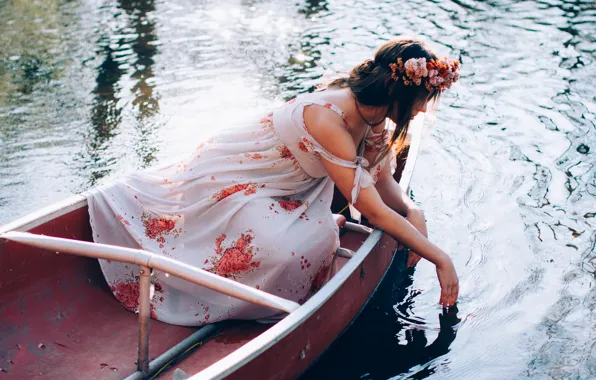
372 85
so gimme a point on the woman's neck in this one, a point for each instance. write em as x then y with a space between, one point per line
370 115
358 115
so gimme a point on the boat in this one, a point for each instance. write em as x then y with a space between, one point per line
59 319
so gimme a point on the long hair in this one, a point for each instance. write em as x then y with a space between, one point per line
372 85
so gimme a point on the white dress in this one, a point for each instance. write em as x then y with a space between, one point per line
250 204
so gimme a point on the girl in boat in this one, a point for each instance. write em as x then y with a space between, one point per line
253 204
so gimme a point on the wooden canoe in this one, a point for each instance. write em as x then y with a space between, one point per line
59 320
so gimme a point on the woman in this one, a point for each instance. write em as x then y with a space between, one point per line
253 204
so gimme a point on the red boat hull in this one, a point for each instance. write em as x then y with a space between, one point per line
59 319
293 354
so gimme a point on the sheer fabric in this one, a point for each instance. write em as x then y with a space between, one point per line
250 204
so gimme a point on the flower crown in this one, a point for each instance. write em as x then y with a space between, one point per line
437 74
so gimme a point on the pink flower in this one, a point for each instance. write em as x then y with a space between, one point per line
439 74
416 69
436 80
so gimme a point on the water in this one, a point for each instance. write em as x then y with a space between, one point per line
92 89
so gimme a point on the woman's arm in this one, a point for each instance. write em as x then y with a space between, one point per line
370 204
333 136
394 197
391 193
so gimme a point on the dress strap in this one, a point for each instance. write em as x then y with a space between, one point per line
362 177
332 107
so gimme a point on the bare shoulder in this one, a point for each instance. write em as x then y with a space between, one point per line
329 130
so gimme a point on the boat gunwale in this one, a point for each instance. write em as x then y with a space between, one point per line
293 320
45 215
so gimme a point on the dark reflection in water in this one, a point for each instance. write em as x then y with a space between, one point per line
91 90
32 72
23 69
372 337
313 7
145 100
303 70
105 113
130 53
29 39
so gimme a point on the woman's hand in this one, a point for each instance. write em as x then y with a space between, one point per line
448 281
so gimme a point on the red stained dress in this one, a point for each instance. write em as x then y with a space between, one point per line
250 204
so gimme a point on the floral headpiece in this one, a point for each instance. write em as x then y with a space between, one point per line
436 74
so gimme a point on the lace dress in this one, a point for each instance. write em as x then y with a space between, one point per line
250 204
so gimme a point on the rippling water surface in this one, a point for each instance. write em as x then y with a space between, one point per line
92 89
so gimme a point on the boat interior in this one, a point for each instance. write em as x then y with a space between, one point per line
59 317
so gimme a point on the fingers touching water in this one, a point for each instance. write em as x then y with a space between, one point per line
449 283
447 278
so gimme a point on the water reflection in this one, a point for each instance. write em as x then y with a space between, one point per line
303 69
105 112
29 36
380 345
313 7
144 48
145 97
302 72
127 51
30 42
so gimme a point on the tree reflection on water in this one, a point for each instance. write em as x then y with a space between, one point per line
127 50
